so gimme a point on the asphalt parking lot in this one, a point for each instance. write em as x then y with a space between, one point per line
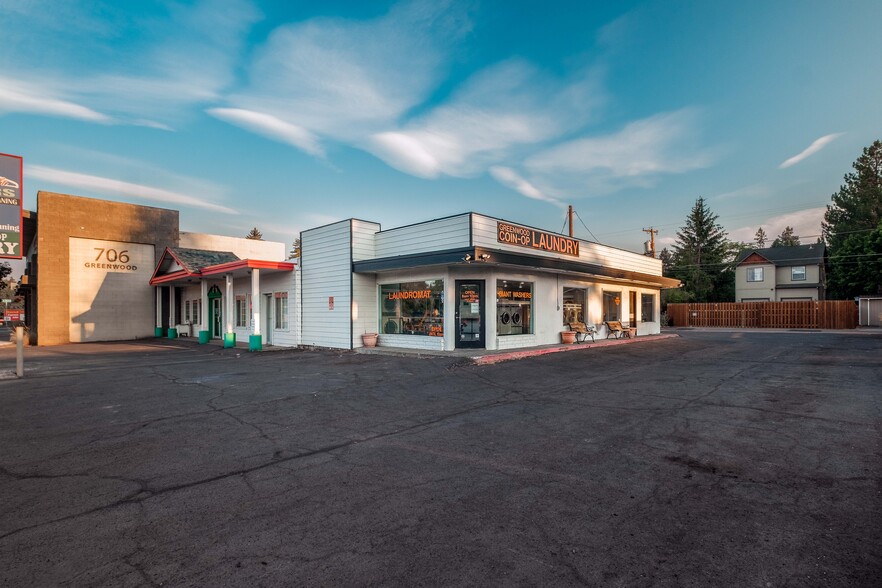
715 458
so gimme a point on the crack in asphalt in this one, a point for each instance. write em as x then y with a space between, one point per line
145 492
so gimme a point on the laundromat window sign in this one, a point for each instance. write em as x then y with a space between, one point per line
11 182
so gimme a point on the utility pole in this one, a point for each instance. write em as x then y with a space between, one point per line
570 218
652 233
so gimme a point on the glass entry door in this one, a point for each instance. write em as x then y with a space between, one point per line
216 317
470 313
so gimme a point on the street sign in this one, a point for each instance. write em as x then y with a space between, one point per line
10 206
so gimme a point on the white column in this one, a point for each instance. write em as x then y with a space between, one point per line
172 324
231 303
158 291
203 306
255 300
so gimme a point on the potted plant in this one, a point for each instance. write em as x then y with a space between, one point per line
568 337
369 339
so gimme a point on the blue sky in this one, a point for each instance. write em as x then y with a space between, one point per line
287 115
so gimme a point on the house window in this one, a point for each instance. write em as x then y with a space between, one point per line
612 306
281 310
187 311
241 311
412 308
797 273
574 305
754 274
647 308
514 307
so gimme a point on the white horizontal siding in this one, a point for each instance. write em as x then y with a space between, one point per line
438 235
363 233
516 341
484 234
411 342
365 308
282 282
326 270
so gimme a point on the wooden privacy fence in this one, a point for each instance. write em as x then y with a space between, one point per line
807 314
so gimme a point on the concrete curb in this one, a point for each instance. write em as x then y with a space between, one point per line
514 355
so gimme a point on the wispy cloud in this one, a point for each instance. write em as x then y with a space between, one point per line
114 187
806 224
751 191
816 146
271 127
345 80
642 148
636 156
510 178
107 63
34 99
497 111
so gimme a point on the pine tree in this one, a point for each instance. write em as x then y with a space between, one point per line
703 257
786 238
850 227
255 234
760 238
667 261
295 250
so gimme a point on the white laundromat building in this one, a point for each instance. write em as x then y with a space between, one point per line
466 281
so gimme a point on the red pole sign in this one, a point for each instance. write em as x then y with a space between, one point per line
11 184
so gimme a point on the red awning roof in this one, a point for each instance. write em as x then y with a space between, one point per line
189 273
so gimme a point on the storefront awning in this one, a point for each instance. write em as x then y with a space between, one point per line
493 257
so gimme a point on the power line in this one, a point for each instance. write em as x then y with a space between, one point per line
586 227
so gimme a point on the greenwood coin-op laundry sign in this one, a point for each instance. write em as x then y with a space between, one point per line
526 237
10 206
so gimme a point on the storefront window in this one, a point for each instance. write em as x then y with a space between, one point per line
281 302
197 316
647 308
241 311
612 306
413 308
574 305
514 307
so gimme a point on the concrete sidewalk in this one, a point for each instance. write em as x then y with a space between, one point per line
490 356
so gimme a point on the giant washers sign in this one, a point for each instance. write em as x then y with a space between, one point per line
526 237
10 206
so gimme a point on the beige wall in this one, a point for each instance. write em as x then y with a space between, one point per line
242 247
812 275
773 277
110 293
60 217
755 290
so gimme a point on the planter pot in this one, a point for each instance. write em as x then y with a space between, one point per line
568 337
369 339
